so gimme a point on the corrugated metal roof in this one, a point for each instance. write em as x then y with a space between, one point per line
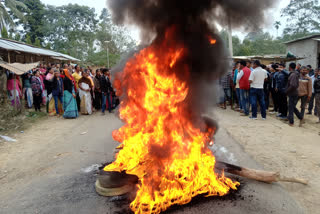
303 38
22 47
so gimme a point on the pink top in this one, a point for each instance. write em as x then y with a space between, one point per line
49 76
10 85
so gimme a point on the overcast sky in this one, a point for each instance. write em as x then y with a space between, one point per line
100 4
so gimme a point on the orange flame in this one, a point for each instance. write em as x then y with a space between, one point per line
212 41
160 145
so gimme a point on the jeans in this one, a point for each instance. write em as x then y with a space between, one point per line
244 97
104 100
56 101
238 96
293 100
227 94
304 101
275 100
283 104
257 95
311 104
267 98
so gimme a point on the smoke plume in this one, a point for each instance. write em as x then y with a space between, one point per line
194 24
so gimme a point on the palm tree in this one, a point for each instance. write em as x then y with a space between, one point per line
277 25
8 8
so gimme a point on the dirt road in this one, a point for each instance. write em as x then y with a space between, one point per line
293 151
51 169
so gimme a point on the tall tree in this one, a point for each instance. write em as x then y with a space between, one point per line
10 9
4 33
110 39
277 25
303 17
71 29
34 20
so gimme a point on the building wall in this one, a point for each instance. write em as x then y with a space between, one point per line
308 48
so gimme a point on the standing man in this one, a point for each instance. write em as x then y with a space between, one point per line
298 68
237 87
292 92
97 90
77 76
243 79
249 65
281 84
317 92
274 94
310 70
225 82
257 79
305 91
311 103
105 86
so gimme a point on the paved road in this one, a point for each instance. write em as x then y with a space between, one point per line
51 169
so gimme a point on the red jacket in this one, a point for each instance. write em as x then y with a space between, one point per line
244 81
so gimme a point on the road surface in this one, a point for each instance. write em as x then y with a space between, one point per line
51 169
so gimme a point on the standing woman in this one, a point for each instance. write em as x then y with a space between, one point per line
85 86
37 89
14 89
69 96
27 91
57 92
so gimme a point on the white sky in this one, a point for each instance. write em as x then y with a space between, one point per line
272 16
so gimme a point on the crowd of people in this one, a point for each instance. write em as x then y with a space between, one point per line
65 90
252 83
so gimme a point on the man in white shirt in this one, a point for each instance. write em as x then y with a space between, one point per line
256 79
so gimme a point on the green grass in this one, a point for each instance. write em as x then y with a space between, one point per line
12 120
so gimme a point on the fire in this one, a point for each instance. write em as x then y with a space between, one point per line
160 144
212 41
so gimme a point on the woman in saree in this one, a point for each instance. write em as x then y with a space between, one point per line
85 86
51 110
14 90
69 96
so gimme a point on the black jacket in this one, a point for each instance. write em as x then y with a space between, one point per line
67 84
282 80
105 85
316 85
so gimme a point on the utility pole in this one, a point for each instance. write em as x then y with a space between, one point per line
107 42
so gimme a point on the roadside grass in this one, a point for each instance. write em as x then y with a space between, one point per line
12 120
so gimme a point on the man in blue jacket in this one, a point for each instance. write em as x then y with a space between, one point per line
281 84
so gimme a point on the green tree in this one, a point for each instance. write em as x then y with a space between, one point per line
37 42
17 37
28 40
34 19
4 33
71 29
10 9
303 17
277 25
109 36
255 43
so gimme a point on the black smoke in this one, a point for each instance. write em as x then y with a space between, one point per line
194 21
